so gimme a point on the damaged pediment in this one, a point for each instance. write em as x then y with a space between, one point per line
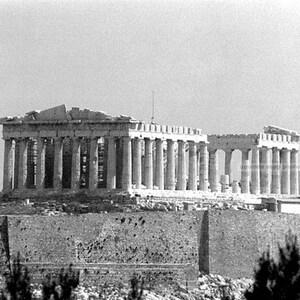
279 130
60 113
86 114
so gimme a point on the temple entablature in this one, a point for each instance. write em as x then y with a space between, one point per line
248 141
58 122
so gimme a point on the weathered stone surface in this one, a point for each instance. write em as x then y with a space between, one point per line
238 238
225 242
114 238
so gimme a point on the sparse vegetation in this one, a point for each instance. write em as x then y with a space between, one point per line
17 282
278 280
137 288
62 288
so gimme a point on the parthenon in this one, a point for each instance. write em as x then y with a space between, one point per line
61 150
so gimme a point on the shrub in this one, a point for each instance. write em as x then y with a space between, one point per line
17 282
62 289
278 280
137 288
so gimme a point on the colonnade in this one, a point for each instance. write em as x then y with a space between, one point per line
270 171
104 162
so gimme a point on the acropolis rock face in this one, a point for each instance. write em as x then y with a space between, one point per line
72 150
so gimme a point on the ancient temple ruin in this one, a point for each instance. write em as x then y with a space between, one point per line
273 168
81 149
61 150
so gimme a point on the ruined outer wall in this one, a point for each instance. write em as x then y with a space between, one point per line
164 244
238 238
114 241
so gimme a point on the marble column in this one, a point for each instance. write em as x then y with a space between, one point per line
75 172
58 163
22 176
93 164
265 167
213 170
245 172
127 164
170 165
181 180
149 163
16 163
192 180
255 171
40 163
294 173
8 165
228 163
137 163
111 163
275 171
203 177
159 175
285 173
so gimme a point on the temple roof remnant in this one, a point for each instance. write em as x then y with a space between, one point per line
60 113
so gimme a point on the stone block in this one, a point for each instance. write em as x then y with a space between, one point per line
48 133
141 126
66 133
82 133
54 113
26 134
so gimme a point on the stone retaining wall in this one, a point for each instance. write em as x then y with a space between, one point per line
150 241
158 245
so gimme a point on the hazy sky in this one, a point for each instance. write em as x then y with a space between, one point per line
223 66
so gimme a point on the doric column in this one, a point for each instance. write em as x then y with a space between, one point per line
111 163
245 172
181 180
75 173
159 175
275 171
192 182
16 163
170 165
203 178
40 163
8 165
265 168
127 167
137 163
149 163
285 173
255 172
93 167
58 163
22 176
213 170
228 163
294 173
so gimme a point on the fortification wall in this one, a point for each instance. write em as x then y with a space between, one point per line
238 238
159 245
118 241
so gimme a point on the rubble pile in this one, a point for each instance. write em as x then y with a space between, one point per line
58 207
214 287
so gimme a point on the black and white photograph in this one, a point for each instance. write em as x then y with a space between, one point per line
149 149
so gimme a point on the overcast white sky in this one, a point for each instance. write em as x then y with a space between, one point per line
223 66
